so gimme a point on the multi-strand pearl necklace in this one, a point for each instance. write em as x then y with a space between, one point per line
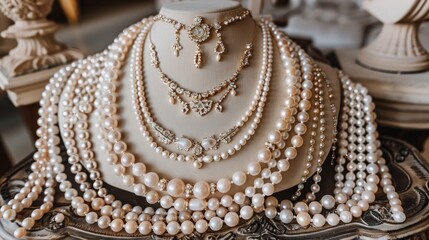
100 207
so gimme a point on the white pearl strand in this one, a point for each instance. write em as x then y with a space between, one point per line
47 163
145 119
387 187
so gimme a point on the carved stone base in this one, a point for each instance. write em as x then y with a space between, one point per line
410 174
402 99
26 89
397 48
17 66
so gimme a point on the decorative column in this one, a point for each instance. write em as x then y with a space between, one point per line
397 48
26 69
395 66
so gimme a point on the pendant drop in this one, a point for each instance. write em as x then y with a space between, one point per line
172 100
219 50
218 107
185 108
233 92
198 57
197 164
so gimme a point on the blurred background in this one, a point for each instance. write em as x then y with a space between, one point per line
90 25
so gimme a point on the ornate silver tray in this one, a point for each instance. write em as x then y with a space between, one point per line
410 173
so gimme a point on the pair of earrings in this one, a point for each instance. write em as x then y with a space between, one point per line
199 32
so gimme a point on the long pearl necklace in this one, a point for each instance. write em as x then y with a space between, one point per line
198 157
54 169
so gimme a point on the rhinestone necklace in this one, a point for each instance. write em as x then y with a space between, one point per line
198 147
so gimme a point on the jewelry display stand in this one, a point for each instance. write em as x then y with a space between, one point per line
406 163
147 117
192 124
26 69
394 67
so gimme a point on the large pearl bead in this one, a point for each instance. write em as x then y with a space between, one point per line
264 155
176 187
286 216
201 190
20 232
159 228
303 219
328 201
223 185
130 227
145 227
117 225
333 219
258 200
246 212
239 178
139 169
215 223
319 220
254 168
201 226
187 227
231 219
151 179
173 228
103 222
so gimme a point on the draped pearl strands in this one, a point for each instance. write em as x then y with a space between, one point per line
83 93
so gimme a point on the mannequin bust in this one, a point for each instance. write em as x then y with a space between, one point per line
182 70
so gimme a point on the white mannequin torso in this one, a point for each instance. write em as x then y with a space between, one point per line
182 70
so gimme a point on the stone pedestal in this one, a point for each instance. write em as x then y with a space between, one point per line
402 99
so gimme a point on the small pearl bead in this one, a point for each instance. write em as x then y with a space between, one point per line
103 222
28 223
318 220
59 218
231 219
117 225
20 232
215 224
303 219
145 227
333 219
187 227
159 228
130 227
201 226
246 212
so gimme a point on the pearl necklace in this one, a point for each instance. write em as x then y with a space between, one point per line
198 157
53 169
